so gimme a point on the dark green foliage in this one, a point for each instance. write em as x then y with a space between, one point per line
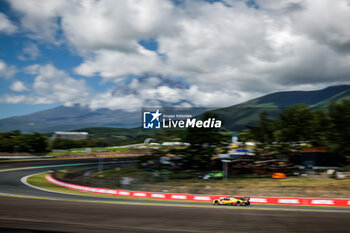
264 130
16 142
165 135
296 124
61 143
321 128
180 175
339 116
203 142
117 136
300 123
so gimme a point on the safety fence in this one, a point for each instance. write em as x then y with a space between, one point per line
102 155
207 198
148 182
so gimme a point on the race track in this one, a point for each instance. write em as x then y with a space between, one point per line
24 207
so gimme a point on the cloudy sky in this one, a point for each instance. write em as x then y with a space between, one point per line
128 54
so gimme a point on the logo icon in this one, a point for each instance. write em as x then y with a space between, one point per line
152 120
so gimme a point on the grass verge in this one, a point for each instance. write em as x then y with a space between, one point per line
40 182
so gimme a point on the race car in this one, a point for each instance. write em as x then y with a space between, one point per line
237 201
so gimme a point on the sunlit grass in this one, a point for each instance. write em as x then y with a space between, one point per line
268 183
40 181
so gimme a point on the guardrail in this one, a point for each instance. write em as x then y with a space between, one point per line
147 182
103 155
195 197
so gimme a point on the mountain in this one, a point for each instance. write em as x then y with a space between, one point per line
76 117
240 116
69 118
235 117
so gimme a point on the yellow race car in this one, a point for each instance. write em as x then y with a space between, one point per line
237 201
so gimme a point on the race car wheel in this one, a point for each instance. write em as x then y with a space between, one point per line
238 203
248 203
216 203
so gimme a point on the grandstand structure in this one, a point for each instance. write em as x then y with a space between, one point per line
70 135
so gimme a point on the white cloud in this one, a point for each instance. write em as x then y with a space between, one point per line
30 52
226 52
157 91
5 25
259 51
18 86
55 85
50 85
7 71
39 17
116 65
231 48
101 25
14 99
93 25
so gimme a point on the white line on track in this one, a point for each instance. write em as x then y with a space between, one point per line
25 182
15 169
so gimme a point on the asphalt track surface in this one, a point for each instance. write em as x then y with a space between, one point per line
25 209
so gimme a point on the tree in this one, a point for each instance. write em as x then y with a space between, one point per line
15 141
321 128
339 116
62 143
203 142
296 123
35 142
264 132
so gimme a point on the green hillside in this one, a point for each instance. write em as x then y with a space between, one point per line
344 95
130 135
117 134
240 116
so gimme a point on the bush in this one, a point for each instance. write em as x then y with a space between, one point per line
180 176
16 142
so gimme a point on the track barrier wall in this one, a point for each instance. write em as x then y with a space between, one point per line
101 155
207 198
